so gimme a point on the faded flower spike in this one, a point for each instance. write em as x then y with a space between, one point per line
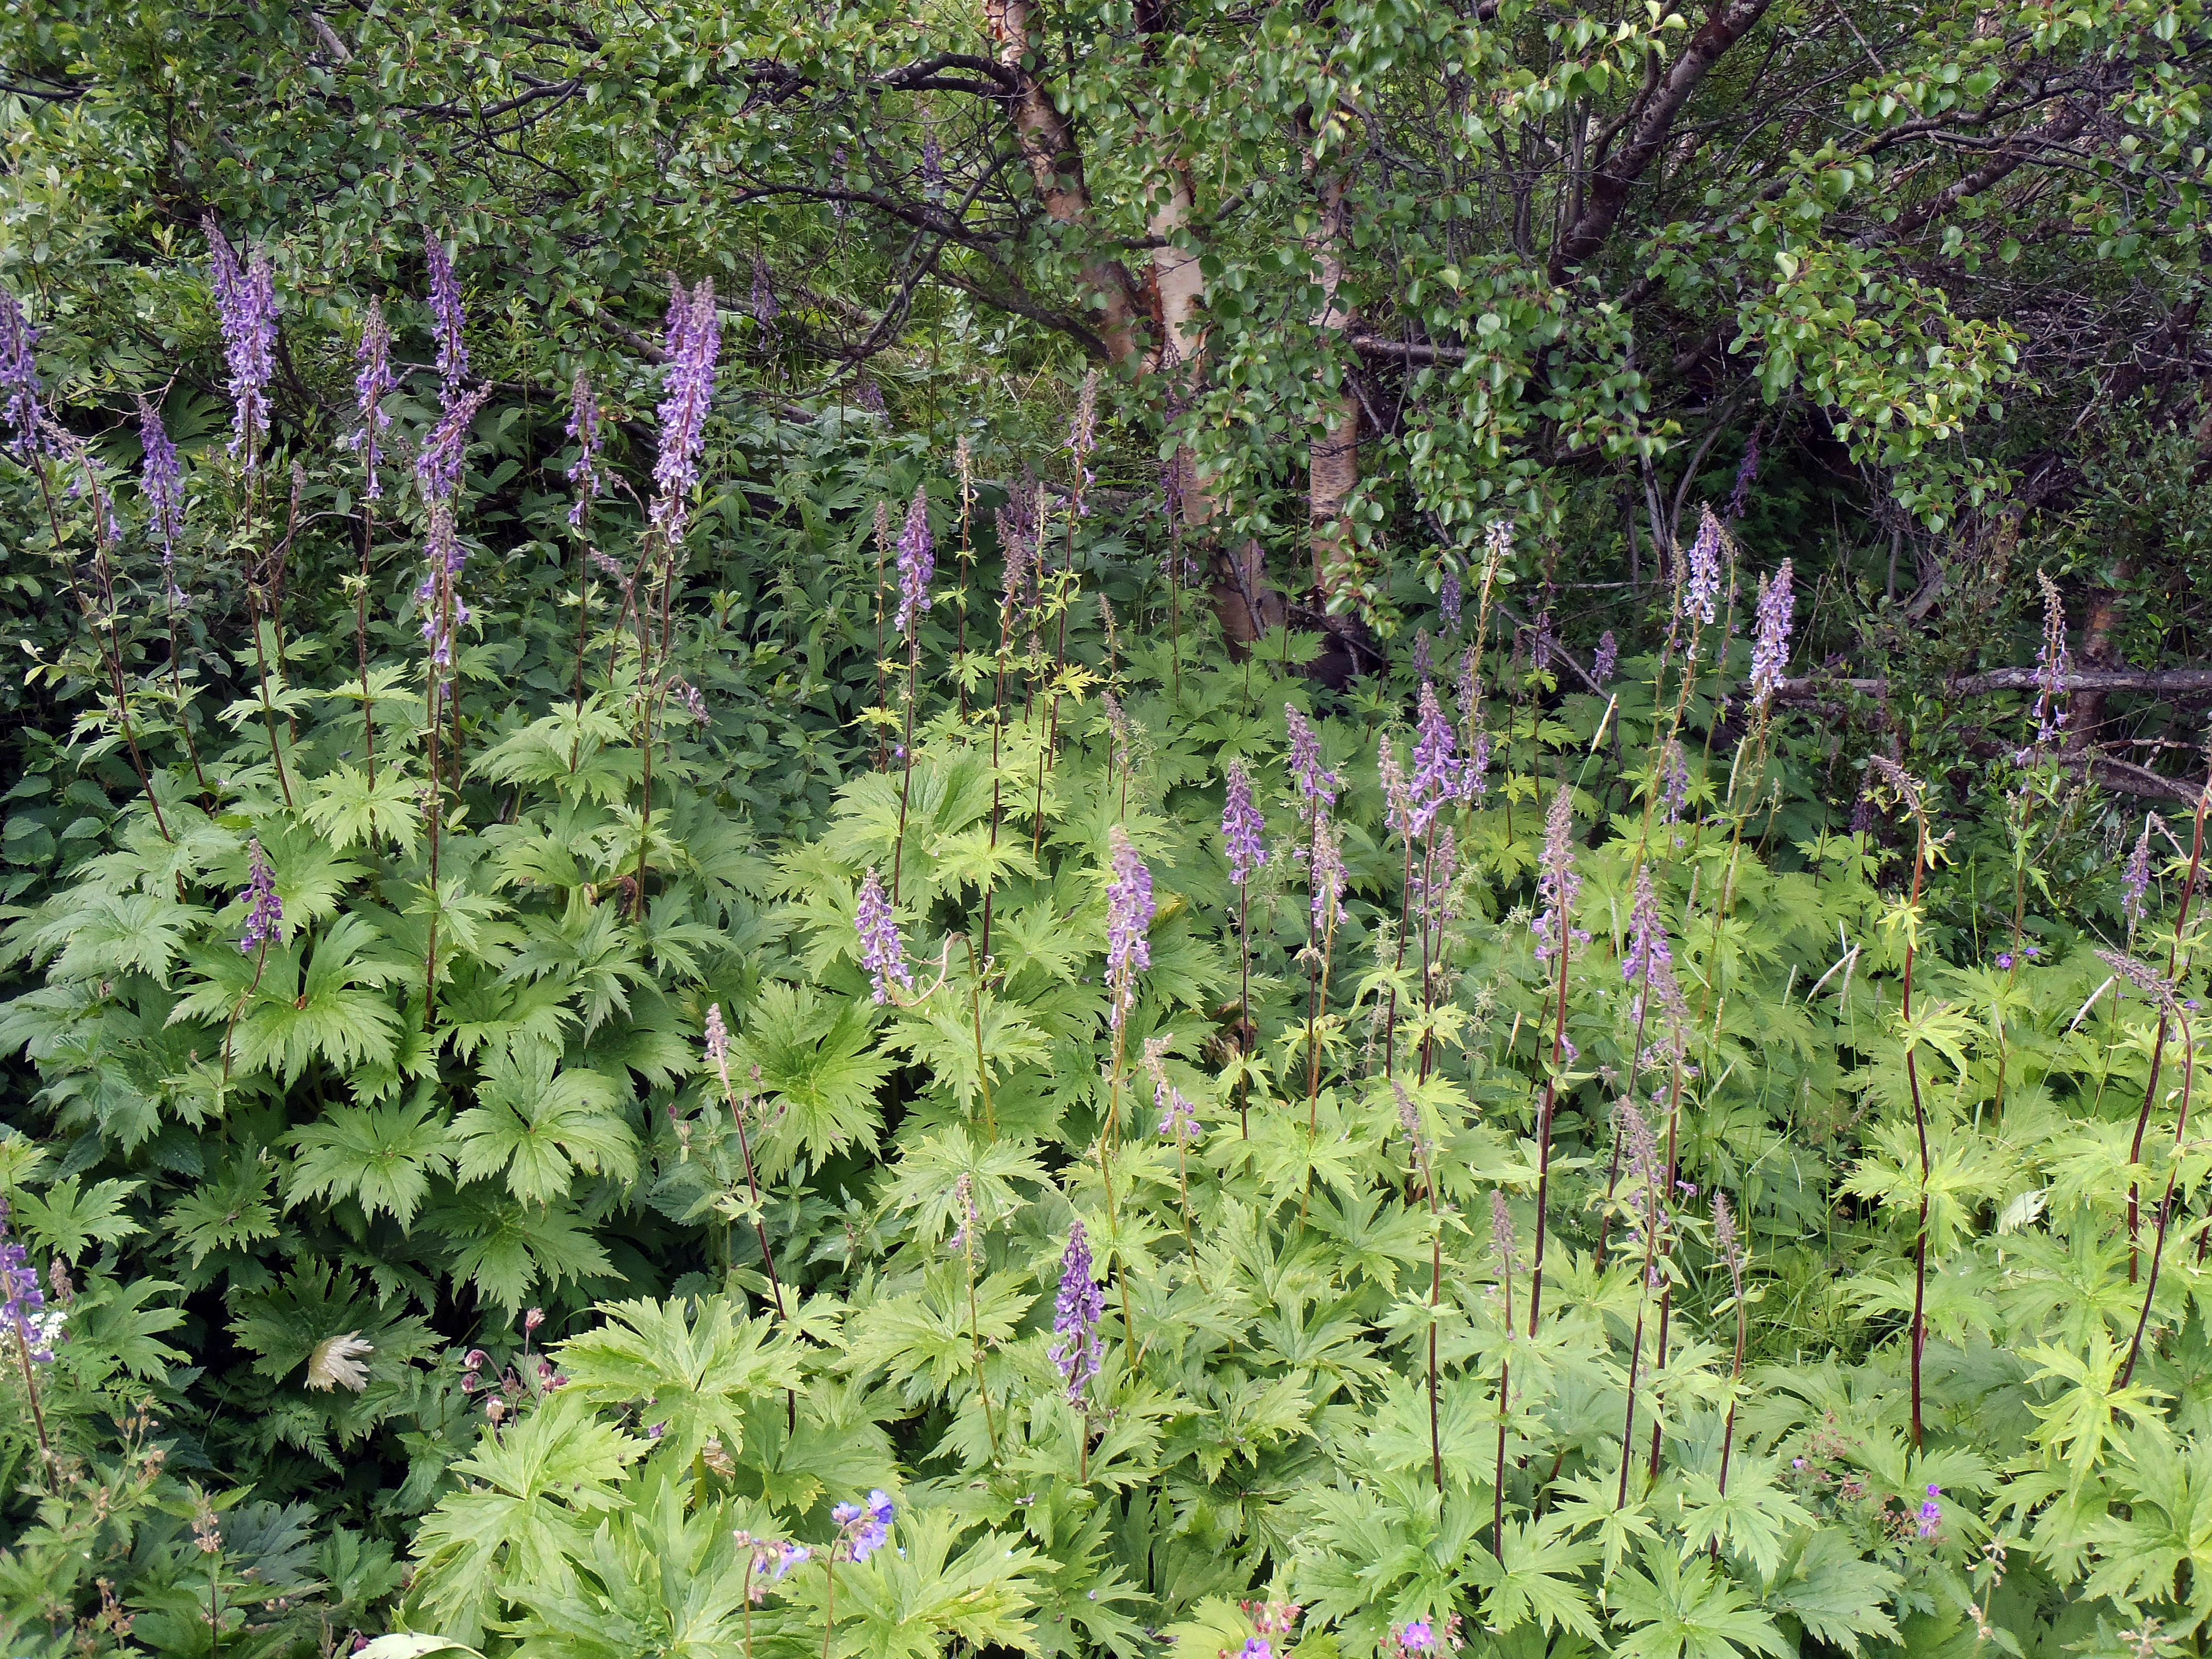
1129 915
694 339
1317 783
583 427
446 318
21 394
882 952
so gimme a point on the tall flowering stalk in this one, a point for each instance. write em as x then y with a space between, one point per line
21 1303
1770 651
1409 1119
717 1055
1727 1244
585 479
447 321
246 300
1078 1351
1243 840
1179 1125
373 381
692 342
162 476
1701 578
917 568
1506 1247
882 952
1648 1170
265 918
1316 795
1556 936
2135 880
22 399
2054 672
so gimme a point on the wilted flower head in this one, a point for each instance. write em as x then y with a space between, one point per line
1397 795
1607 662
246 300
1673 781
20 391
1129 915
1317 783
1451 597
1504 1244
583 427
164 481
1423 667
336 1363
1728 1239
694 340
1326 879
882 952
1083 433
1701 587
447 321
372 382
718 1042
1649 961
1557 881
917 563
1770 651
2134 879
1076 1316
1542 642
1242 826
263 910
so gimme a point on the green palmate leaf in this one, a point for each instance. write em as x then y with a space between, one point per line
926 1180
68 1220
692 1368
382 1156
226 1212
903 1602
1752 1518
506 1249
1838 1598
518 1518
330 1009
540 1124
1677 1609
943 1035
1537 1580
814 1059
592 957
92 935
345 807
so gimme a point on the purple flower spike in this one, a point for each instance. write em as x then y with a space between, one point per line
1317 783
1931 1514
584 428
864 1528
22 1303
1242 827
264 910
1558 882
1650 960
1770 651
372 381
2135 880
694 339
1740 497
245 298
882 952
164 480
917 564
1606 662
1076 1316
21 395
438 468
1437 777
1450 598
1701 591
446 318
1129 915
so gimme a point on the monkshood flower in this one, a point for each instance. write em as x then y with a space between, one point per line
22 1300
1397 795
1438 777
583 427
1649 961
21 394
1178 1117
1464 689
1728 1239
372 381
864 1528
438 467
1075 1316
1543 643
765 309
1673 781
264 911
1242 827
444 611
1557 881
917 564
694 339
1083 435
1317 783
447 319
1770 651
1607 662
2134 878
1451 597
1931 1513
246 300
1129 915
1740 497
163 478
1502 1243
932 164
1327 882
882 953
1701 590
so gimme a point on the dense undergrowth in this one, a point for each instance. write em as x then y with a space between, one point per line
678 1085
